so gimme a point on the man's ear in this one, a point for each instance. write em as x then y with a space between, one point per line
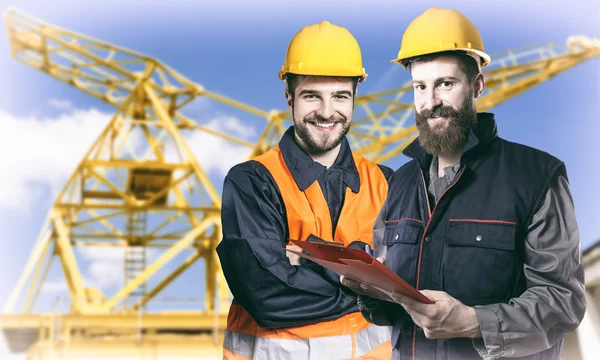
289 99
479 85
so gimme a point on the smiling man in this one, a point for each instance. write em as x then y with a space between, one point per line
483 226
310 188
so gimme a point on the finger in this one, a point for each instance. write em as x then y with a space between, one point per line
294 259
363 289
417 320
429 334
411 304
435 295
349 282
403 300
380 259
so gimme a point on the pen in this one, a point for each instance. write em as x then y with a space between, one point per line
368 250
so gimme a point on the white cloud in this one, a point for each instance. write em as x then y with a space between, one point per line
55 286
232 125
40 154
217 154
61 104
103 267
197 107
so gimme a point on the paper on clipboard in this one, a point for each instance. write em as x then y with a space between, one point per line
357 265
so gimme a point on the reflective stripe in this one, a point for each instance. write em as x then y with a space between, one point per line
239 344
331 347
272 349
372 337
371 343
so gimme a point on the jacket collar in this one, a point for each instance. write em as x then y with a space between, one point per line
305 170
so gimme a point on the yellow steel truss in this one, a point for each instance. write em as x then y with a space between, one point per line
139 187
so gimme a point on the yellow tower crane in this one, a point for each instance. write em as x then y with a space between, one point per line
140 187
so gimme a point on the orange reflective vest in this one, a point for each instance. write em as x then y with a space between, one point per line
347 337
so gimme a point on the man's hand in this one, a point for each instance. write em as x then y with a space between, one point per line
367 290
294 259
447 318
361 288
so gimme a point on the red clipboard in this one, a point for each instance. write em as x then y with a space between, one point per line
357 265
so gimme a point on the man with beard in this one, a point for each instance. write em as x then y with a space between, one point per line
310 188
482 226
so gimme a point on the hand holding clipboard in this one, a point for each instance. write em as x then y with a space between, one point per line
359 266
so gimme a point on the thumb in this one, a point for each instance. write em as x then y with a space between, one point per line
435 295
380 259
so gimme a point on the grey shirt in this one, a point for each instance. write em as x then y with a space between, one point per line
554 301
438 185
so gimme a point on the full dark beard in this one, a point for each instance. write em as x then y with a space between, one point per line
453 137
321 143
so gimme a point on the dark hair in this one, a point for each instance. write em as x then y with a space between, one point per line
467 63
293 80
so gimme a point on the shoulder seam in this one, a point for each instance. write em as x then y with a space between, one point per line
542 192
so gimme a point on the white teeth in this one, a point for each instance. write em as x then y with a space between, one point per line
325 125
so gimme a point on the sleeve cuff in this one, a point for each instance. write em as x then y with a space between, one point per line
491 344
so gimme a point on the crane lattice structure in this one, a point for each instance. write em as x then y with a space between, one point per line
140 187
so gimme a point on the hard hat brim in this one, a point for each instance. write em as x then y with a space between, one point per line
361 77
486 59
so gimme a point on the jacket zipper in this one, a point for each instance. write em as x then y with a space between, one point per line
430 213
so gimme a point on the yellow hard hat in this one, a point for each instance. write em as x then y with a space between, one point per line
438 30
323 49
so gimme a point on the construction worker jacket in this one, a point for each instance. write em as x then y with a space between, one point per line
502 238
285 311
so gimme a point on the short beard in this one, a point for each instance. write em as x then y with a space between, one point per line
324 143
454 136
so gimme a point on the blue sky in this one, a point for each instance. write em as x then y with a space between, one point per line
237 52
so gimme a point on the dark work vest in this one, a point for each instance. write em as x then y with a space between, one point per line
471 243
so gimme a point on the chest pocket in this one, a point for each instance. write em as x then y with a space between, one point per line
478 265
401 240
